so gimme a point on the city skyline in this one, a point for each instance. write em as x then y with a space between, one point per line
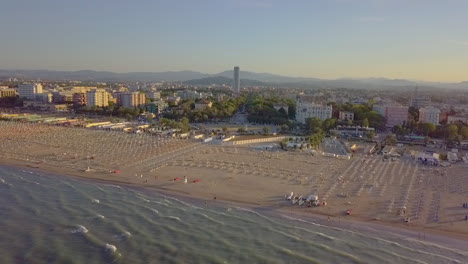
419 40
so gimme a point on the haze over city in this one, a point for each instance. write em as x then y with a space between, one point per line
416 40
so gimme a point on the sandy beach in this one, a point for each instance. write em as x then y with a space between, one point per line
380 193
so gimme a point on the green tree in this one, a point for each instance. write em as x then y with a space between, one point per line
225 129
428 128
328 124
292 112
266 130
313 123
370 135
464 132
452 131
365 122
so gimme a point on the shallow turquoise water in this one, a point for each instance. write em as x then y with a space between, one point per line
52 219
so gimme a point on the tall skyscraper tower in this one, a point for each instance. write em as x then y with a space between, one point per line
236 86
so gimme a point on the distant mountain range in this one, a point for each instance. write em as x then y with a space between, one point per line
247 78
220 80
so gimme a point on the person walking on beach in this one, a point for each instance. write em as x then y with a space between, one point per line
185 179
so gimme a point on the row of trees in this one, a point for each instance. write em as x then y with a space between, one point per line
218 111
111 110
363 114
452 132
261 110
183 124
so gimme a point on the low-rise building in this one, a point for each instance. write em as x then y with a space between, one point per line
202 105
45 98
457 119
35 105
153 95
173 99
285 107
352 131
345 115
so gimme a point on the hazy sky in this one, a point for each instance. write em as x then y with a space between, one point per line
412 39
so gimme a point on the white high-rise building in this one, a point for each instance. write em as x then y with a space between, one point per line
29 90
97 97
306 110
236 85
429 115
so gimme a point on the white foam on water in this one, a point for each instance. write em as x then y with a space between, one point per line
122 236
144 199
389 242
100 216
174 217
155 211
2 180
79 229
110 248
95 201
212 219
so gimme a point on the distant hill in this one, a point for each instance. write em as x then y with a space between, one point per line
105 76
220 80
247 78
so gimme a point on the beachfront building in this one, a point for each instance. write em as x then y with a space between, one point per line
457 119
29 90
79 99
7 92
65 97
429 115
39 106
45 98
97 97
307 109
345 116
131 99
396 115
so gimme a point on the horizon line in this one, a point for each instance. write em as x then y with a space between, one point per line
279 75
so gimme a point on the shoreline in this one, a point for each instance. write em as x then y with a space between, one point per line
436 236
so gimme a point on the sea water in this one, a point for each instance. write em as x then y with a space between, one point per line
53 219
